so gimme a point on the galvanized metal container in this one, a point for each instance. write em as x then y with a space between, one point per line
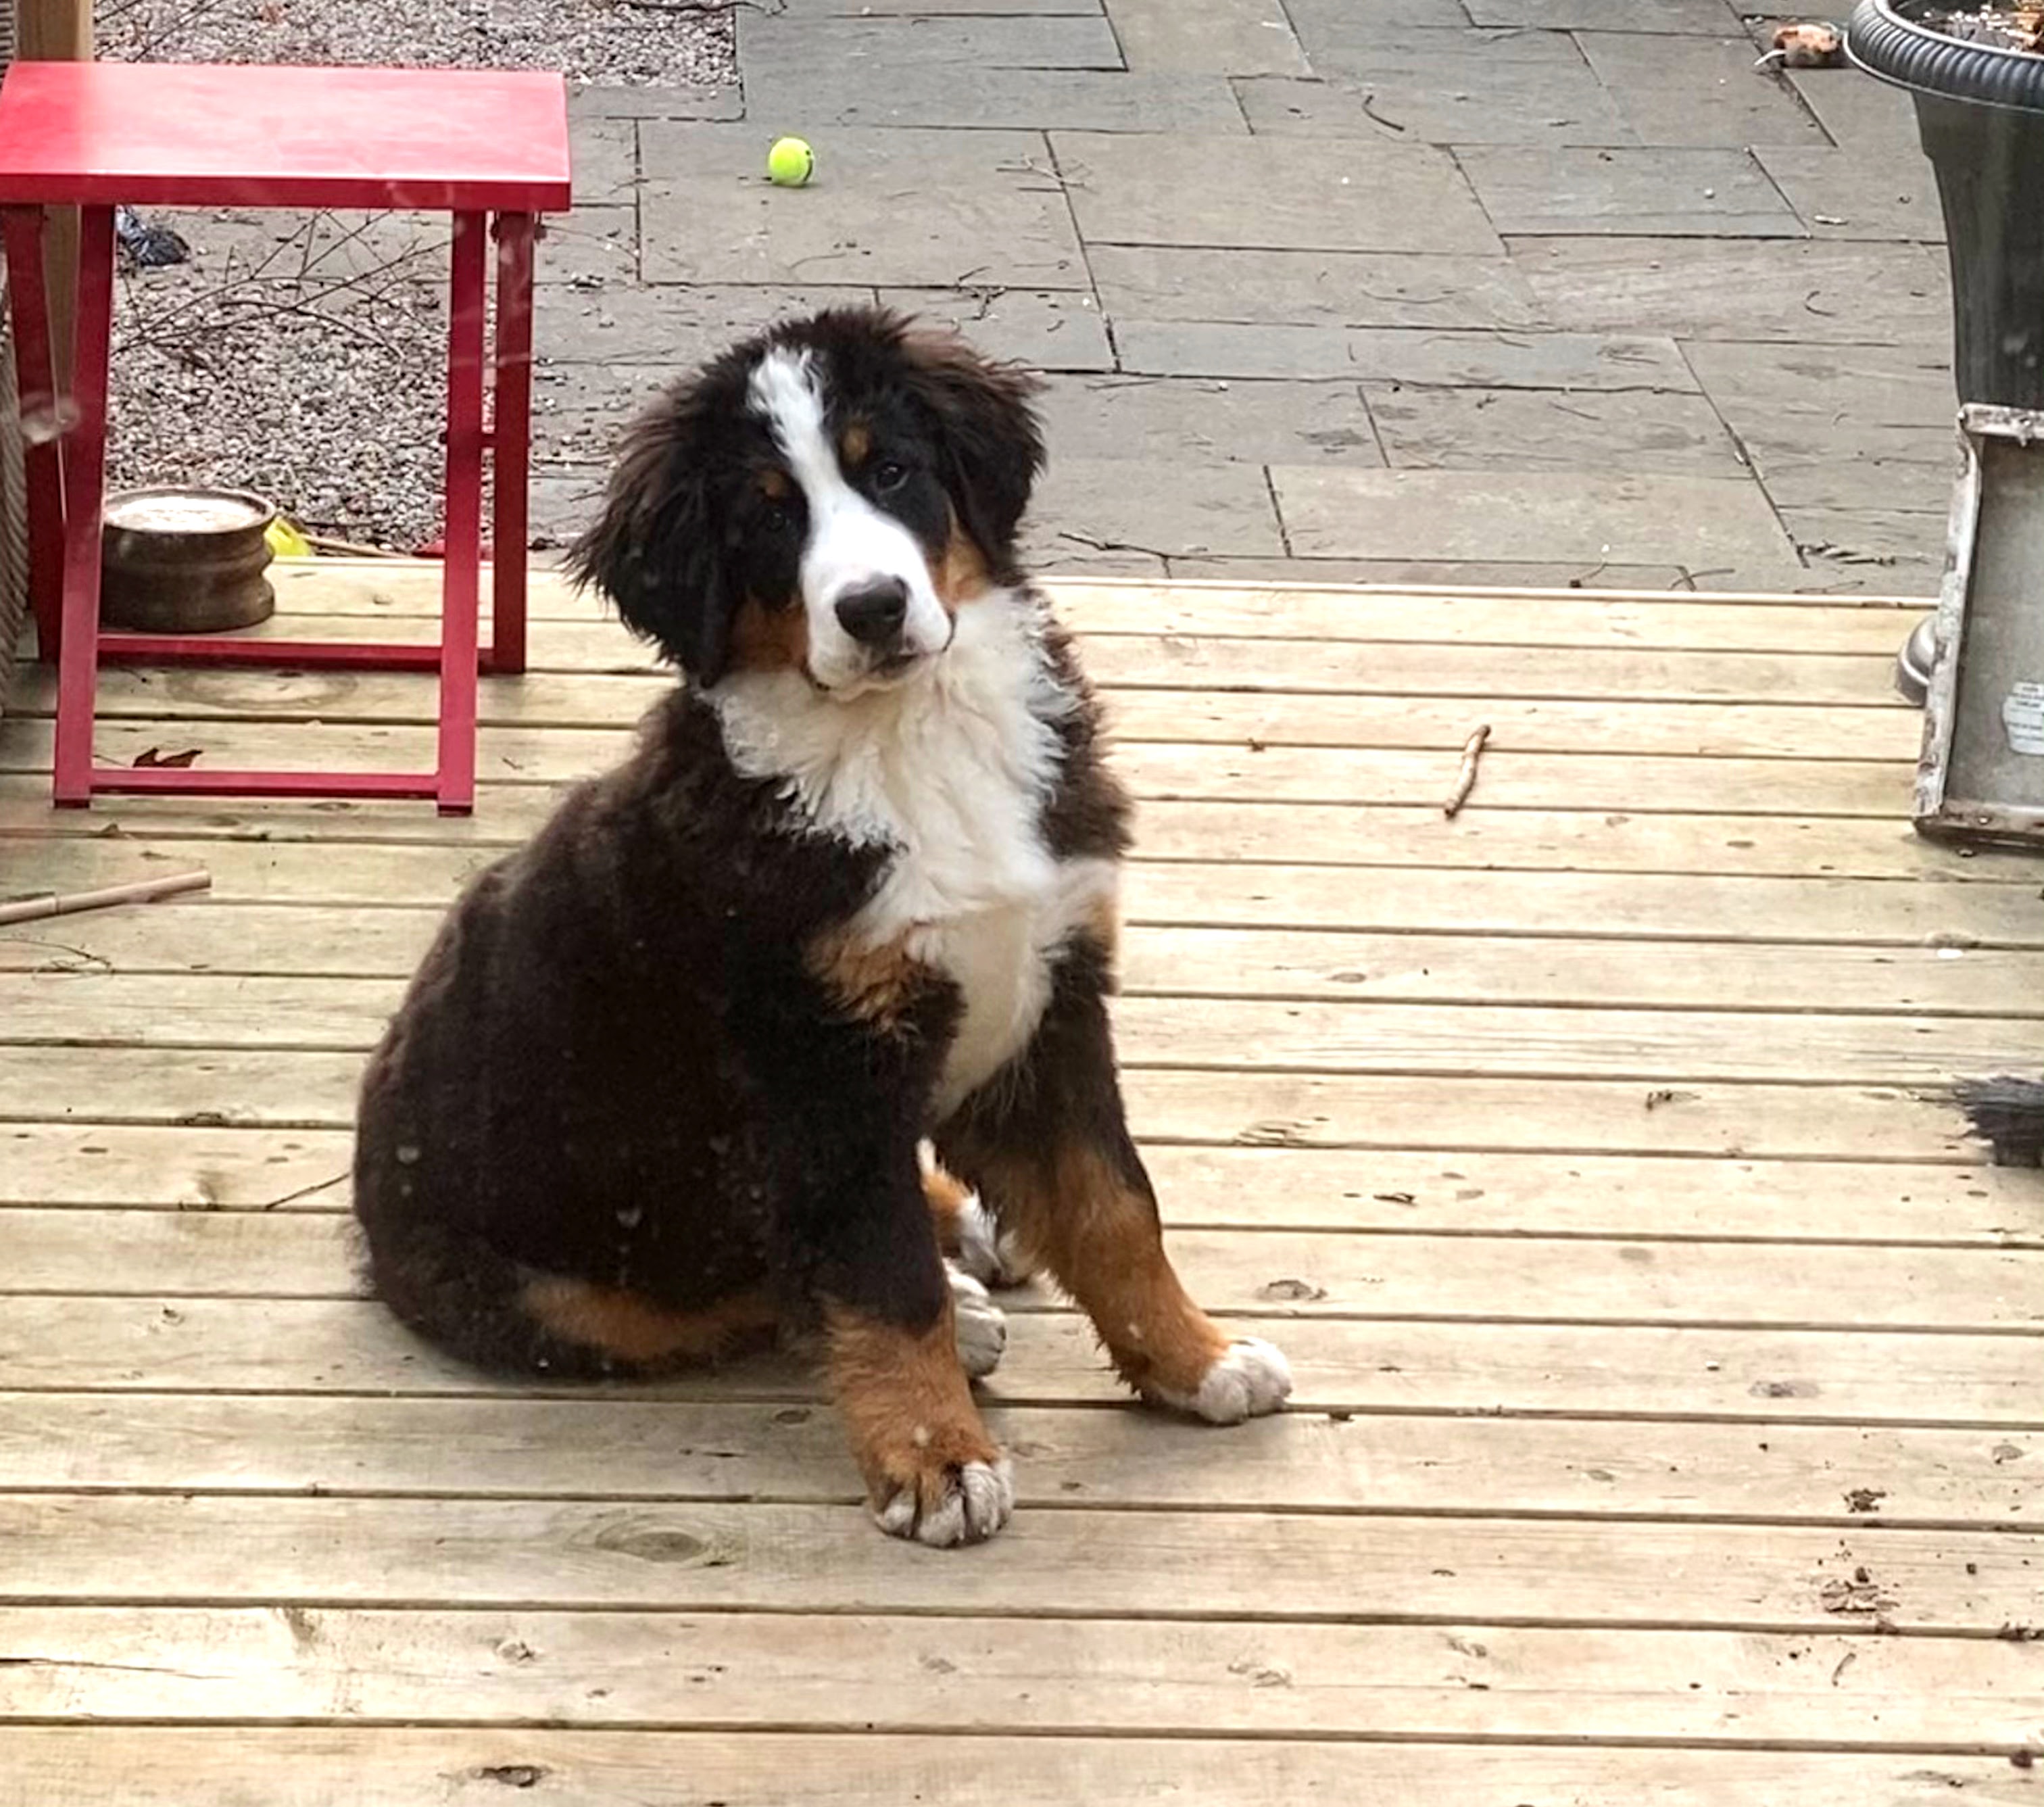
182 560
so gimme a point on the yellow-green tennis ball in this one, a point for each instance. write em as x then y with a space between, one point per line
791 162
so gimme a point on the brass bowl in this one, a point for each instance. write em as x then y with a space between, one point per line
177 559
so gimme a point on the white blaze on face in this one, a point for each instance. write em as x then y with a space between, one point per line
851 544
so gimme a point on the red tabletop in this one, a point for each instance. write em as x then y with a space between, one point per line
221 135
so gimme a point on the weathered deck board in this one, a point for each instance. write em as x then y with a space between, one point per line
312 1255
461 1766
351 1346
1661 1340
1297 718
251 1665
1076 1562
1370 1461
1458 1192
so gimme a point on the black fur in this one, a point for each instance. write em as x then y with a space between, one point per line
2008 1114
616 1064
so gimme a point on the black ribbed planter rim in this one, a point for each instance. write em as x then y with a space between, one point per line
1883 38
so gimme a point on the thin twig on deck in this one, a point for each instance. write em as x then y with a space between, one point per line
1465 778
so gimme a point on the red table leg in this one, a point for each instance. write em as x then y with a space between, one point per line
85 490
460 596
42 421
511 439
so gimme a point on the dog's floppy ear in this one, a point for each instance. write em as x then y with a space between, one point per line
992 444
654 549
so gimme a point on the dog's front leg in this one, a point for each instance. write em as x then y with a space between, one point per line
932 1472
1047 1142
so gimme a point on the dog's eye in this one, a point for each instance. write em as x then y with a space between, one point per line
777 518
889 476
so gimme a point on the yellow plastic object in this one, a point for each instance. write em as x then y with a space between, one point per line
285 541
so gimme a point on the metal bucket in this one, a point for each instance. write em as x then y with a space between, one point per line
179 560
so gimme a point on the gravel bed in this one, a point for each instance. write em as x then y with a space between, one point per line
610 42
320 390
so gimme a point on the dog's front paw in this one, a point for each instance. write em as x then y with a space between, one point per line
942 1504
1248 1379
982 1326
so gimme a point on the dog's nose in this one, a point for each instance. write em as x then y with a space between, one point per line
873 614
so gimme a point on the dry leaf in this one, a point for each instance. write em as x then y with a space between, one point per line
1810 47
153 756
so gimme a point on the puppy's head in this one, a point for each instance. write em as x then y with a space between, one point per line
825 497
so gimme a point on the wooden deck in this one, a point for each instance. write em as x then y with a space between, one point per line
1670 1417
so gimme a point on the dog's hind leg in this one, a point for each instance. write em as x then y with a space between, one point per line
456 1290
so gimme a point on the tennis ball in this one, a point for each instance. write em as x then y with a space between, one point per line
791 162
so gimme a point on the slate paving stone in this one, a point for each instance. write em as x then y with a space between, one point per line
1522 360
1783 289
593 103
1523 104
931 95
1537 429
1703 524
1048 329
1848 194
627 323
1597 574
588 245
1272 193
605 158
1717 194
1859 112
770 42
1462 92
911 208
1325 26
1874 551
1172 420
1166 507
1838 426
1695 90
1341 37
1310 287
562 502
1702 18
1230 37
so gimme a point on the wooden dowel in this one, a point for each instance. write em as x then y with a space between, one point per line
143 890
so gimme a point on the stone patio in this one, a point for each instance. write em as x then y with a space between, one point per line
1486 290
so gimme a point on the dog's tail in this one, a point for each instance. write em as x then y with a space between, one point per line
2008 1114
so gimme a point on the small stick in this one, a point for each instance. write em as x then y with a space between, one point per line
143 890
1465 778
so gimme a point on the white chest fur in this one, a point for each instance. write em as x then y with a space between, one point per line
951 769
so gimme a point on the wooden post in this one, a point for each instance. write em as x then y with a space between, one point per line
57 31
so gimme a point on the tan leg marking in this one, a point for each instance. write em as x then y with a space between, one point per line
1099 1237
633 1328
950 1198
932 1471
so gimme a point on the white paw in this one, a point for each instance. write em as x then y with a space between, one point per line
1251 1378
982 1326
974 1503
990 1256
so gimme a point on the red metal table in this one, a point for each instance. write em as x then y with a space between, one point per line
489 146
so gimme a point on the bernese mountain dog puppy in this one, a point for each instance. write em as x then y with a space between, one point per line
702 1060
